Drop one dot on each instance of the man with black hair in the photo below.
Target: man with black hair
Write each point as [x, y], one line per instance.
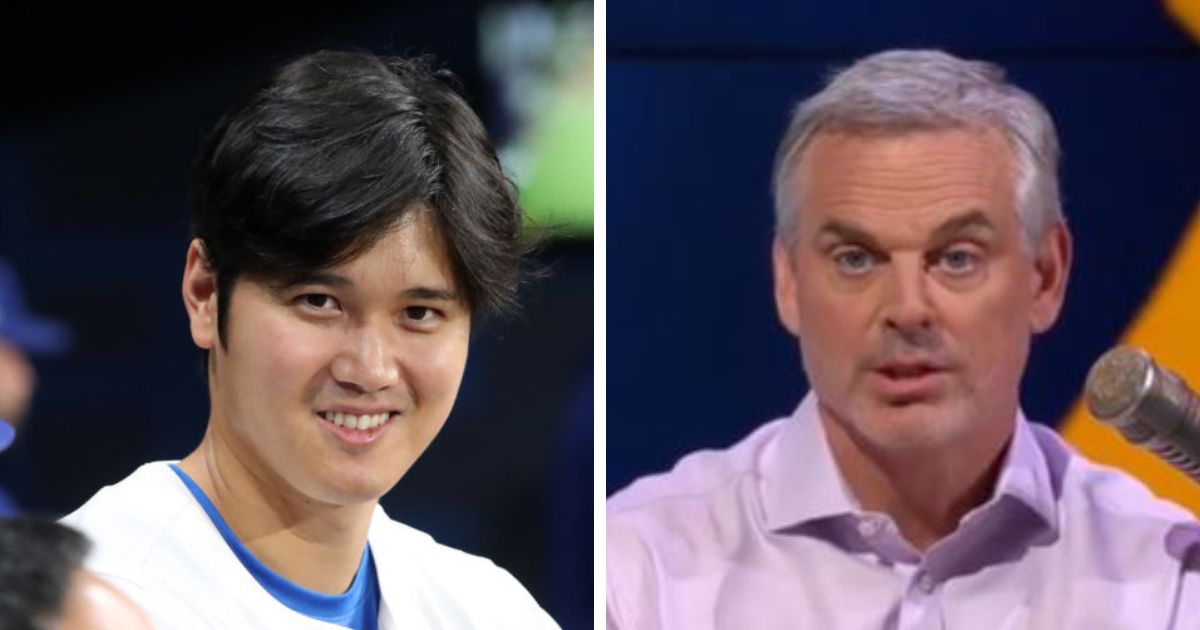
[351, 223]
[43, 583]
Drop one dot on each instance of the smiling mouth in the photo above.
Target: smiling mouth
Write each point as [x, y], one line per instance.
[364, 422]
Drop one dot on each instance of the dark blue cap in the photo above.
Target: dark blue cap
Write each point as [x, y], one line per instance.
[31, 333]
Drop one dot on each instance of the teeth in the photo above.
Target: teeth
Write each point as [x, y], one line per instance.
[359, 423]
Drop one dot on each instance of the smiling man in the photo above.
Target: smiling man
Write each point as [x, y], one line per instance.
[920, 244]
[351, 222]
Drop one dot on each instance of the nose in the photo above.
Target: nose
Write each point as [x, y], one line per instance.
[368, 363]
[908, 309]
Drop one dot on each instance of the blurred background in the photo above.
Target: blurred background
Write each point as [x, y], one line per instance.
[103, 113]
[699, 94]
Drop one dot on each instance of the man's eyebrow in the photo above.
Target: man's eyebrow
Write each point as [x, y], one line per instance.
[330, 279]
[970, 219]
[319, 278]
[846, 231]
[430, 293]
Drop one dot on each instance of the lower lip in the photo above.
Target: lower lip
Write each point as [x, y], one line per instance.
[356, 437]
[909, 388]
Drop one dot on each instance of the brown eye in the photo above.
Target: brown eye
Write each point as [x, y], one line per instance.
[419, 313]
[320, 301]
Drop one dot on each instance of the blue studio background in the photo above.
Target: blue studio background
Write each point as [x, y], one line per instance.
[699, 94]
[103, 113]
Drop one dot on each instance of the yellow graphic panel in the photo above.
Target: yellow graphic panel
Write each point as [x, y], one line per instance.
[1168, 327]
[1187, 13]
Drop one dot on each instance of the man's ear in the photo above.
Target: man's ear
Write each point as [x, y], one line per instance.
[200, 295]
[786, 288]
[1051, 266]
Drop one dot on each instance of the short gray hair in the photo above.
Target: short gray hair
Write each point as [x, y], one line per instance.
[911, 90]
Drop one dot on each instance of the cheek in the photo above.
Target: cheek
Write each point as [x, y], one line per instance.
[436, 367]
[835, 317]
[282, 359]
[994, 332]
[834, 333]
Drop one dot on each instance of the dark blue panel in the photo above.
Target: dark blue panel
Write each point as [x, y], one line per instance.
[783, 28]
[696, 357]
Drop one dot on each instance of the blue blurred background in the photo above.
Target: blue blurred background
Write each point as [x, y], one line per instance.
[103, 112]
[699, 94]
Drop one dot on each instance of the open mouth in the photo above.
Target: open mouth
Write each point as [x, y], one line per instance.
[907, 382]
[364, 422]
[897, 371]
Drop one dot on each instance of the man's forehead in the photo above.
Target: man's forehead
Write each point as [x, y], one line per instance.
[884, 145]
[940, 172]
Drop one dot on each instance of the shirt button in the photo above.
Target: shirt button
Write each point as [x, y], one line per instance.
[868, 527]
[925, 583]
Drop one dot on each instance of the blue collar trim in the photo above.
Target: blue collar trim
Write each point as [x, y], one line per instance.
[356, 608]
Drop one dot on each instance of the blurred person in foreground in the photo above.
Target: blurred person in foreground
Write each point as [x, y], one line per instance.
[22, 335]
[920, 245]
[44, 586]
[352, 224]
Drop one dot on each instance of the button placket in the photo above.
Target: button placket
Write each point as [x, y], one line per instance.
[925, 583]
[869, 527]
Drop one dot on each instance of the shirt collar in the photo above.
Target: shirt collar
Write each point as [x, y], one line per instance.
[1025, 475]
[801, 481]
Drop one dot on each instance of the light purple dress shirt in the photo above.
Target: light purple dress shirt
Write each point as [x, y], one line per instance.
[766, 535]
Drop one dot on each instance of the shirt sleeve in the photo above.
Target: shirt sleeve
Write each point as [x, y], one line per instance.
[524, 609]
[610, 623]
[631, 592]
[163, 615]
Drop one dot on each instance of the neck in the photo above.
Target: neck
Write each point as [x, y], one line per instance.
[314, 545]
[925, 491]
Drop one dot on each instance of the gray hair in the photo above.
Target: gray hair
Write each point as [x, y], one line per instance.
[910, 90]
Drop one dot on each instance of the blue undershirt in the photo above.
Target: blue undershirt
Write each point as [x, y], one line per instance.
[357, 608]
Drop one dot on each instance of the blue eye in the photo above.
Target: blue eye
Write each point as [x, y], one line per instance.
[959, 262]
[854, 261]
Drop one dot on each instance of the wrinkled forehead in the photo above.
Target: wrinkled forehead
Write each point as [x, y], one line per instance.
[867, 173]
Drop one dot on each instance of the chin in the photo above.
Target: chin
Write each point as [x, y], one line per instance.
[351, 496]
[350, 490]
[915, 426]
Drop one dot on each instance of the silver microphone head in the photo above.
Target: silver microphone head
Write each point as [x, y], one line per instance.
[1150, 406]
[1117, 383]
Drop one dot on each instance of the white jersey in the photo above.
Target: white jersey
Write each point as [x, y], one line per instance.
[156, 543]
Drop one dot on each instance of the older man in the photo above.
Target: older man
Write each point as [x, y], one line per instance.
[920, 244]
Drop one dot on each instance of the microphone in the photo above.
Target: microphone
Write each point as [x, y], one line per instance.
[1151, 406]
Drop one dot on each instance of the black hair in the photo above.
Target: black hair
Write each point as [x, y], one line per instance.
[37, 559]
[330, 153]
